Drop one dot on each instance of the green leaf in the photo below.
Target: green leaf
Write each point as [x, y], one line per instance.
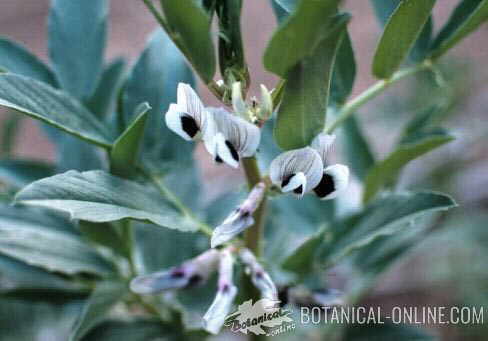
[301, 115]
[384, 9]
[102, 299]
[400, 33]
[154, 78]
[104, 99]
[356, 148]
[17, 59]
[386, 332]
[344, 72]
[299, 36]
[99, 197]
[36, 320]
[387, 170]
[384, 216]
[191, 25]
[466, 18]
[301, 259]
[123, 155]
[17, 277]
[75, 154]
[52, 106]
[18, 173]
[77, 36]
[104, 234]
[35, 241]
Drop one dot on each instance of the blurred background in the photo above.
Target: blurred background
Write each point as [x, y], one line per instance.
[449, 266]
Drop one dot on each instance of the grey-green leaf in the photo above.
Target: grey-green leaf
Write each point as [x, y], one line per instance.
[190, 26]
[100, 197]
[344, 72]
[302, 113]
[105, 295]
[19, 277]
[299, 36]
[466, 18]
[123, 155]
[387, 169]
[77, 36]
[52, 106]
[356, 148]
[400, 33]
[34, 240]
[16, 59]
[104, 99]
[382, 217]
[301, 260]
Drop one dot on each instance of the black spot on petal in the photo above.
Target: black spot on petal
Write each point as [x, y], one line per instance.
[233, 151]
[325, 187]
[298, 190]
[177, 273]
[189, 125]
[218, 159]
[194, 280]
[286, 180]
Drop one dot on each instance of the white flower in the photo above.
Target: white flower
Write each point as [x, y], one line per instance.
[227, 137]
[298, 170]
[188, 117]
[335, 178]
[240, 219]
[230, 137]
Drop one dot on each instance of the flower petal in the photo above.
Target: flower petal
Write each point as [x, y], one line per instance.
[238, 103]
[260, 278]
[214, 318]
[334, 181]
[239, 219]
[189, 101]
[192, 272]
[181, 123]
[322, 143]
[239, 137]
[284, 170]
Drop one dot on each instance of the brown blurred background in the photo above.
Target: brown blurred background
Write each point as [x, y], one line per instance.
[25, 21]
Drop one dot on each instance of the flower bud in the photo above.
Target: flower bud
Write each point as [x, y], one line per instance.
[238, 103]
[240, 219]
[192, 272]
[214, 318]
[260, 278]
[266, 104]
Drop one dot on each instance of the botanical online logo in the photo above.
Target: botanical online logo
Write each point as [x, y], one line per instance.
[264, 313]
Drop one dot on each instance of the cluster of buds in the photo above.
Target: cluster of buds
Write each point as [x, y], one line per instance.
[198, 270]
[256, 113]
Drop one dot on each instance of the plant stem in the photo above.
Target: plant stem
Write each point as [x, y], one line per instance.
[166, 192]
[252, 236]
[128, 236]
[377, 88]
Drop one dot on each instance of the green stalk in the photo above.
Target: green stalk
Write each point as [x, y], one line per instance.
[253, 234]
[377, 88]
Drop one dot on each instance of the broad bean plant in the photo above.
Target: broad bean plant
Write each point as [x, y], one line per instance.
[119, 239]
